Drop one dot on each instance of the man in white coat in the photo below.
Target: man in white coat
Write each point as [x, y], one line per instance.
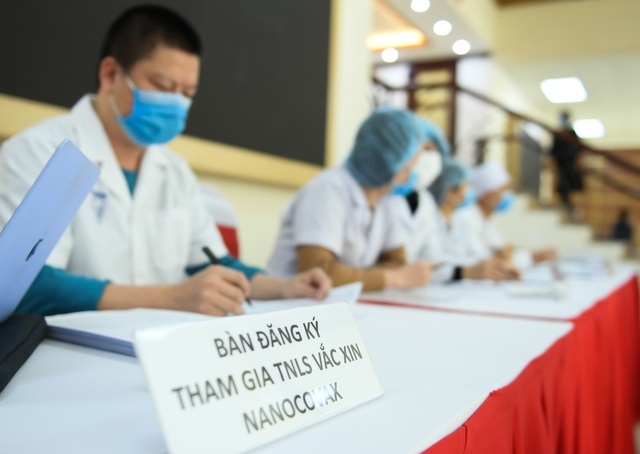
[138, 239]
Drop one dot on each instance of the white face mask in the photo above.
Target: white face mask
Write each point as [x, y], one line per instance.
[428, 167]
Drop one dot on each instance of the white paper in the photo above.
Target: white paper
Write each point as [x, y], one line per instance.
[535, 297]
[113, 330]
[348, 293]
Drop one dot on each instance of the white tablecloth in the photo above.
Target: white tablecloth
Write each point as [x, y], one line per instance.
[436, 369]
[484, 297]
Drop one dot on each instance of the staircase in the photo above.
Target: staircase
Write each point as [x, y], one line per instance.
[529, 227]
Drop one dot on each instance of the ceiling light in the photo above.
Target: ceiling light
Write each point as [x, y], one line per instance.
[402, 38]
[589, 128]
[461, 47]
[420, 6]
[442, 28]
[390, 55]
[566, 89]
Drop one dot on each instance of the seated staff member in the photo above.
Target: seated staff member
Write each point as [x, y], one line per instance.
[342, 221]
[137, 240]
[416, 210]
[452, 194]
[435, 153]
[491, 185]
[425, 228]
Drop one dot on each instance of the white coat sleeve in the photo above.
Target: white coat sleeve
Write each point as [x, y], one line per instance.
[396, 235]
[319, 218]
[471, 227]
[431, 248]
[494, 237]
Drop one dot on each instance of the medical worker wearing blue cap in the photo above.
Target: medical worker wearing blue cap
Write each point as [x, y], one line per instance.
[343, 222]
[453, 195]
[416, 210]
[426, 215]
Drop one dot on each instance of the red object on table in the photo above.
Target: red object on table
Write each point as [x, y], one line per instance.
[581, 396]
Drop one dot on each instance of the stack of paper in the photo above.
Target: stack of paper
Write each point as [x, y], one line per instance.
[584, 266]
[113, 330]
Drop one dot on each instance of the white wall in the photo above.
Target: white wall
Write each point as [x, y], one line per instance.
[349, 75]
[480, 15]
[486, 76]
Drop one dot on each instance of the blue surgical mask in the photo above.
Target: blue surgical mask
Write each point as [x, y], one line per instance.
[156, 117]
[406, 188]
[469, 199]
[505, 202]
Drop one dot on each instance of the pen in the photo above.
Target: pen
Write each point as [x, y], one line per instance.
[215, 261]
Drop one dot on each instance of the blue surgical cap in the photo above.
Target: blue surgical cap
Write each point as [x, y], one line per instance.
[385, 143]
[433, 133]
[453, 175]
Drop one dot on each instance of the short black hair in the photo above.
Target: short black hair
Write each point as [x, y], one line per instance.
[137, 32]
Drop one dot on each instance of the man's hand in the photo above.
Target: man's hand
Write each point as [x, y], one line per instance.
[314, 283]
[492, 269]
[409, 276]
[544, 255]
[216, 290]
[506, 253]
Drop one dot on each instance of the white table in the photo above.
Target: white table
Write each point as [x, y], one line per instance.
[436, 369]
[489, 298]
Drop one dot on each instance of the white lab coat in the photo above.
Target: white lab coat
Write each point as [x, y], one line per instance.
[423, 237]
[331, 212]
[481, 238]
[454, 240]
[422, 241]
[148, 238]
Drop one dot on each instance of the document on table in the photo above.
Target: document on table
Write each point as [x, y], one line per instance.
[424, 296]
[585, 266]
[348, 293]
[113, 330]
[533, 297]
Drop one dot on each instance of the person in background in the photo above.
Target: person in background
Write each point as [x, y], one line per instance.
[138, 239]
[415, 208]
[565, 151]
[491, 184]
[342, 221]
[426, 214]
[452, 193]
[622, 230]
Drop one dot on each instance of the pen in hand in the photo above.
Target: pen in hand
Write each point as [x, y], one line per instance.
[215, 261]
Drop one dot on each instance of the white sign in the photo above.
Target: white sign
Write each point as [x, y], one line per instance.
[235, 383]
